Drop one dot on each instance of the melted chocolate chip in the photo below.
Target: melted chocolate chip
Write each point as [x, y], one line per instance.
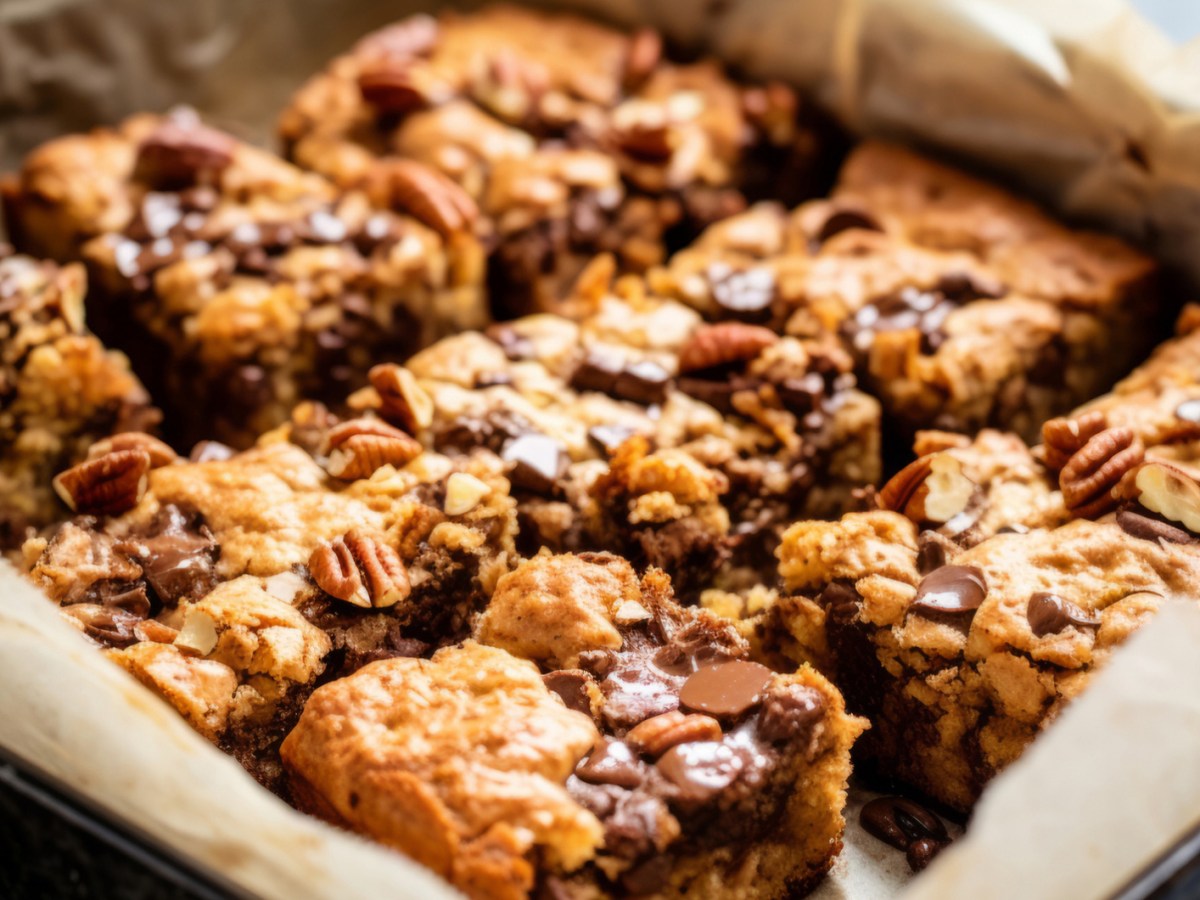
[746, 294]
[802, 396]
[1051, 614]
[950, 591]
[717, 391]
[931, 552]
[789, 713]
[607, 438]
[1189, 411]
[536, 462]
[612, 763]
[1151, 528]
[899, 822]
[727, 689]
[571, 685]
[178, 566]
[963, 287]
[700, 770]
[920, 853]
[908, 308]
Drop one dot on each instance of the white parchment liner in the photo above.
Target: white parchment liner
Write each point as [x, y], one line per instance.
[1082, 103]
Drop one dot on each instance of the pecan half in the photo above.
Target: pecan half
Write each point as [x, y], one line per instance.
[388, 86]
[932, 489]
[179, 153]
[426, 193]
[1063, 438]
[160, 454]
[360, 570]
[357, 448]
[900, 487]
[106, 486]
[1089, 476]
[402, 401]
[723, 343]
[657, 735]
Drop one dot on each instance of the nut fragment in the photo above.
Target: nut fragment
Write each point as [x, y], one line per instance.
[425, 193]
[645, 51]
[199, 633]
[900, 488]
[1063, 438]
[722, 344]
[160, 454]
[1171, 492]
[404, 402]
[1088, 478]
[181, 152]
[463, 493]
[106, 486]
[930, 489]
[657, 735]
[388, 86]
[361, 570]
[360, 446]
[631, 612]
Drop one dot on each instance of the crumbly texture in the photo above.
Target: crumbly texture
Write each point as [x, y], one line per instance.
[60, 390]
[572, 138]
[964, 306]
[459, 761]
[614, 438]
[955, 694]
[495, 751]
[237, 283]
[208, 587]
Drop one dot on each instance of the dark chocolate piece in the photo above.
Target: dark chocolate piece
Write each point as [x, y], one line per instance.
[571, 685]
[1148, 528]
[536, 462]
[727, 689]
[612, 763]
[789, 714]
[1051, 614]
[950, 591]
[700, 770]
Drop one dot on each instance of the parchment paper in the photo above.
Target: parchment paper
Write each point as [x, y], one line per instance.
[1081, 102]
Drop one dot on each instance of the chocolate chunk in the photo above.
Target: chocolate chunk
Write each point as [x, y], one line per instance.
[921, 852]
[1149, 528]
[789, 713]
[634, 691]
[632, 828]
[108, 625]
[840, 601]
[642, 382]
[746, 294]
[571, 685]
[802, 396]
[931, 553]
[597, 372]
[908, 308]
[178, 566]
[182, 152]
[515, 346]
[1188, 411]
[598, 662]
[899, 822]
[963, 287]
[612, 763]
[607, 438]
[536, 462]
[211, 451]
[1050, 614]
[845, 217]
[718, 391]
[726, 690]
[700, 770]
[950, 591]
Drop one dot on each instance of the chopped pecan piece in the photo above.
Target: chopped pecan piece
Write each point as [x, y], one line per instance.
[657, 735]
[160, 454]
[403, 401]
[425, 193]
[359, 447]
[106, 486]
[361, 570]
[1089, 476]
[724, 343]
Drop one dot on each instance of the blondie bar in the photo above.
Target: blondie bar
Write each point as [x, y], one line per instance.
[595, 739]
[963, 305]
[570, 137]
[238, 284]
[60, 389]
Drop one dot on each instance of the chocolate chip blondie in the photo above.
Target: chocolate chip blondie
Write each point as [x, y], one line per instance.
[232, 584]
[571, 138]
[640, 429]
[959, 657]
[60, 389]
[594, 739]
[238, 284]
[964, 306]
